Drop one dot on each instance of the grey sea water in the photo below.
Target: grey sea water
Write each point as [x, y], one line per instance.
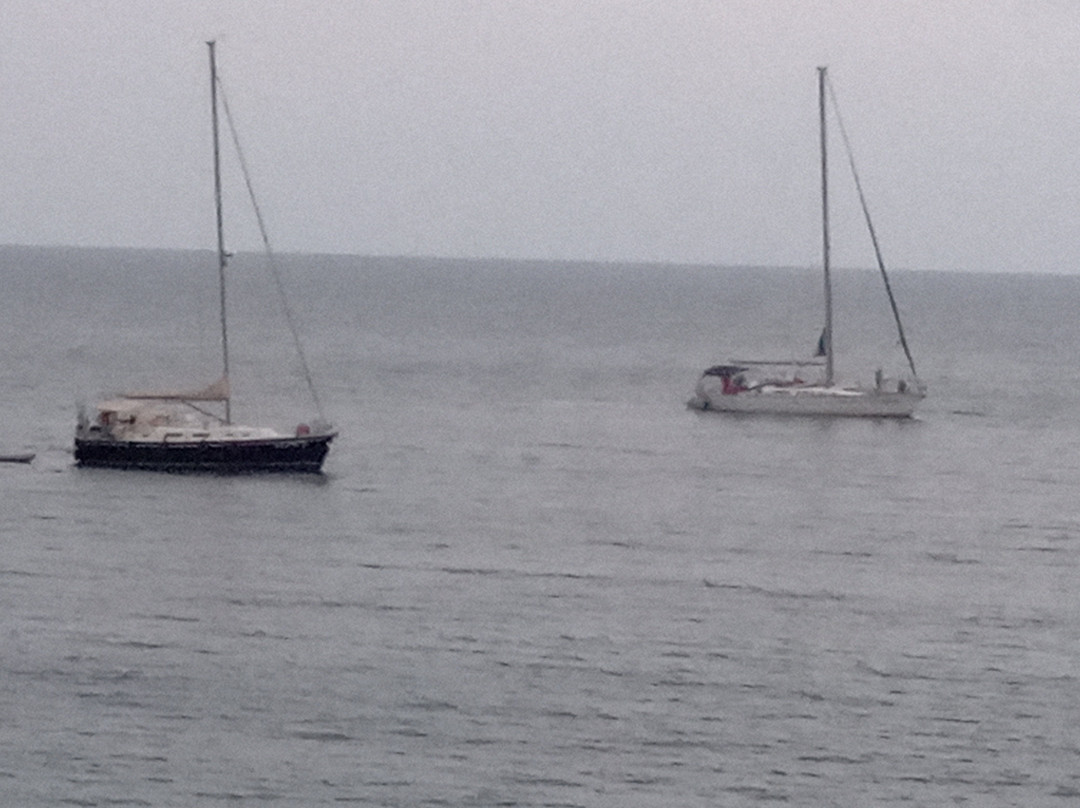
[530, 576]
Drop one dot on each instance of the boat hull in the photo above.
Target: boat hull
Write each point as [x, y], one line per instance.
[285, 454]
[806, 400]
[19, 457]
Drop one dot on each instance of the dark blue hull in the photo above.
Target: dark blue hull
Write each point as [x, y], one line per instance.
[299, 454]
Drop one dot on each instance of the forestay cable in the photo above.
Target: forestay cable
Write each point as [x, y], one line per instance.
[870, 227]
[274, 271]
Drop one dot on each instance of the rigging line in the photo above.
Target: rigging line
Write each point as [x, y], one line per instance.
[870, 227]
[274, 271]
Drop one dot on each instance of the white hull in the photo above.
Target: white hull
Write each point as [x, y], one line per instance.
[777, 388]
[806, 400]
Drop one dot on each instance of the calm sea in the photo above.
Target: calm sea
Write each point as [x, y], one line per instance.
[530, 576]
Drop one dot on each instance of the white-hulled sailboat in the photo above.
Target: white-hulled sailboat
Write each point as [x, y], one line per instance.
[778, 387]
[176, 430]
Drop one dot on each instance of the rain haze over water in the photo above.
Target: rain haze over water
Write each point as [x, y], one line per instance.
[530, 575]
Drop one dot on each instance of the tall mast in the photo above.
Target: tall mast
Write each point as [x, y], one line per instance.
[222, 255]
[827, 336]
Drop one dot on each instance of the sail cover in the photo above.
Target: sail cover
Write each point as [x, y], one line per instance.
[218, 391]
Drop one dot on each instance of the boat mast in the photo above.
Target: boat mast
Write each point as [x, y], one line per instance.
[827, 335]
[222, 255]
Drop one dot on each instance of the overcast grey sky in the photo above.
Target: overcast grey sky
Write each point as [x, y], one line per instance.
[668, 130]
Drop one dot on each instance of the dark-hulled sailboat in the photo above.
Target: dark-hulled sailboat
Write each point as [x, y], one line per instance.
[177, 430]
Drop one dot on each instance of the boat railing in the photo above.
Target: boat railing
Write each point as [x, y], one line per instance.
[780, 362]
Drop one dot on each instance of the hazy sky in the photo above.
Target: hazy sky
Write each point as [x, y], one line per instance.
[664, 130]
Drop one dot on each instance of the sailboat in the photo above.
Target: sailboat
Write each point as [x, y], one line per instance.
[779, 387]
[192, 430]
